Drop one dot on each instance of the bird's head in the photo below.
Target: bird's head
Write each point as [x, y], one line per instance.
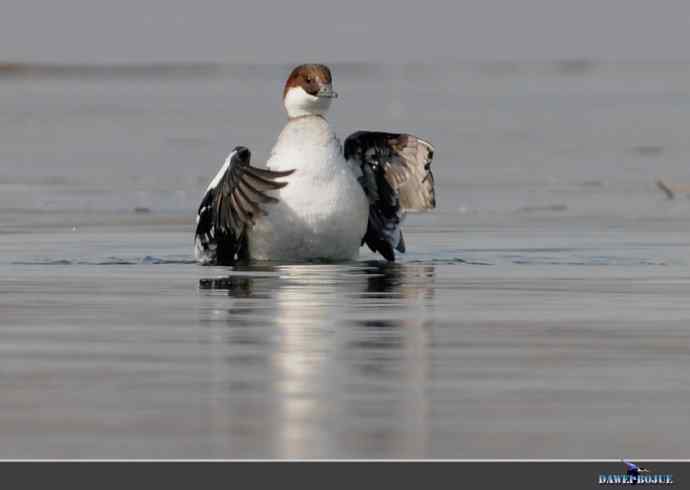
[308, 91]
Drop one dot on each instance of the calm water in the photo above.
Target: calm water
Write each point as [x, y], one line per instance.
[543, 311]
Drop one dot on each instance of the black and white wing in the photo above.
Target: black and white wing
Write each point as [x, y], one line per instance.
[396, 177]
[230, 207]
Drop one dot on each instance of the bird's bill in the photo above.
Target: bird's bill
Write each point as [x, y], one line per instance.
[327, 92]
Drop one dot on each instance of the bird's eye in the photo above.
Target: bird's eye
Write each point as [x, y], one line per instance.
[309, 80]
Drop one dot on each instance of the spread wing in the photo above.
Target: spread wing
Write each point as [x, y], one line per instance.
[396, 177]
[230, 207]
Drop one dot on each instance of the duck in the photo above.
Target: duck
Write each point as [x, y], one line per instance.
[315, 199]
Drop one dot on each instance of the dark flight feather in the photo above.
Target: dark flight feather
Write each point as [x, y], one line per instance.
[397, 178]
[230, 208]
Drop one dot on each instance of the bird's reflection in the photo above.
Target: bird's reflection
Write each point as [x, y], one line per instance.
[405, 280]
[342, 358]
[385, 278]
[237, 286]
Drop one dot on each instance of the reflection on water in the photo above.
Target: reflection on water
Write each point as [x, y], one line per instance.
[340, 363]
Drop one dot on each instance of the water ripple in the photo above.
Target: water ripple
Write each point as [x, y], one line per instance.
[146, 260]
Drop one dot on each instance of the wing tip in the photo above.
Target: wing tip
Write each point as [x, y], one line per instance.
[241, 154]
[269, 176]
[426, 143]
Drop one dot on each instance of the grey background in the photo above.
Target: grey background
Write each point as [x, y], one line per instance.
[355, 30]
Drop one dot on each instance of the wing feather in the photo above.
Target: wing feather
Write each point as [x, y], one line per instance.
[255, 194]
[397, 178]
[269, 175]
[230, 207]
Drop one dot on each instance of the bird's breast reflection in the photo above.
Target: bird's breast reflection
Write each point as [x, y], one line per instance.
[338, 347]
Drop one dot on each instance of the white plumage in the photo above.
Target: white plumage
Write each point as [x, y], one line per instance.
[322, 213]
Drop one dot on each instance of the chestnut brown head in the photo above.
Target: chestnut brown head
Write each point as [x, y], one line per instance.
[308, 91]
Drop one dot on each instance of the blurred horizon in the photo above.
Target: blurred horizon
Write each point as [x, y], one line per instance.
[182, 70]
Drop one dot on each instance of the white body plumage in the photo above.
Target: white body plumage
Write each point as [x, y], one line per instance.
[323, 212]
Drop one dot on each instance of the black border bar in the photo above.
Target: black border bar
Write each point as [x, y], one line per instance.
[328, 474]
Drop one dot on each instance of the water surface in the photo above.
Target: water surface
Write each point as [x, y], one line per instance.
[542, 311]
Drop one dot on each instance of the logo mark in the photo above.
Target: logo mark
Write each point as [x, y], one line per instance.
[635, 475]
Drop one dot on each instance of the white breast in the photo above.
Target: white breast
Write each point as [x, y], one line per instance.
[323, 211]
